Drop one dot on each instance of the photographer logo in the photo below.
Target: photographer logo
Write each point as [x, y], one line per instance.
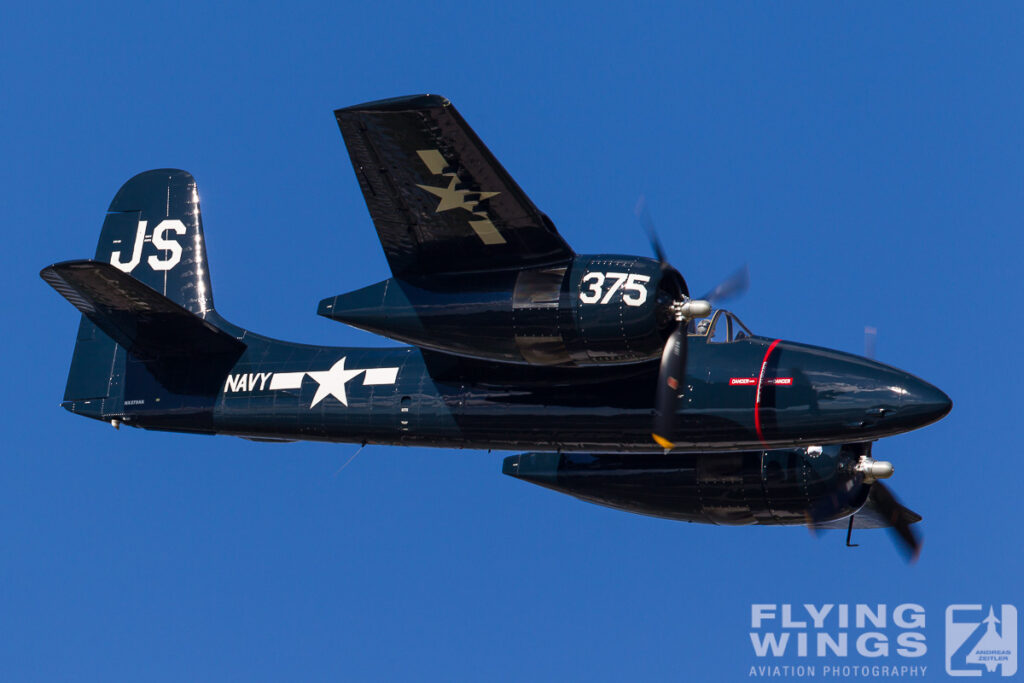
[981, 640]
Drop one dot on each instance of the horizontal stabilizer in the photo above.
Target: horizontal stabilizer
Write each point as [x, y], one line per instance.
[146, 323]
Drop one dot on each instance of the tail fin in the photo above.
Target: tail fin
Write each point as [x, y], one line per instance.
[153, 235]
[154, 232]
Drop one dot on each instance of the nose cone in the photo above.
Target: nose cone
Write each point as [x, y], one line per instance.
[828, 394]
[921, 403]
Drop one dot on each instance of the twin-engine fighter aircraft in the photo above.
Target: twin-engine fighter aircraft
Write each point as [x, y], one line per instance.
[626, 391]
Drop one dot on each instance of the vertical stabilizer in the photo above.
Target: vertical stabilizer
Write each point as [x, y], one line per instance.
[153, 231]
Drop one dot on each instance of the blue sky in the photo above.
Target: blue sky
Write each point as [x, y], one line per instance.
[865, 160]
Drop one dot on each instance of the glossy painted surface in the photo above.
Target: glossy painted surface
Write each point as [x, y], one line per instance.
[520, 344]
[737, 395]
[533, 316]
[484, 223]
[782, 487]
[453, 402]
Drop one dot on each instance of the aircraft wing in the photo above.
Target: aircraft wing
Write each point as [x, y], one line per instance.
[440, 200]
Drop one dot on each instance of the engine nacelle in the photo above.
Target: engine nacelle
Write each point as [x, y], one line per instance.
[590, 311]
[789, 486]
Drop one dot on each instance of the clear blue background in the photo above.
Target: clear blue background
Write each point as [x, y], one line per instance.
[864, 159]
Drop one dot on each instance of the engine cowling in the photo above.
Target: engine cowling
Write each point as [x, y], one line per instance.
[778, 487]
[593, 310]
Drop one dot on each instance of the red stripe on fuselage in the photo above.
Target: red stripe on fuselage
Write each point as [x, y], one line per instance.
[757, 398]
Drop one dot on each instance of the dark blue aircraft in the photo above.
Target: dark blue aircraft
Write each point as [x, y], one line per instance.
[626, 391]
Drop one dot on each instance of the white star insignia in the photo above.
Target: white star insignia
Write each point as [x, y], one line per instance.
[332, 382]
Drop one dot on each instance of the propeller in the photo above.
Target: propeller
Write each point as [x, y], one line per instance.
[878, 506]
[647, 222]
[730, 288]
[870, 341]
[672, 372]
[899, 516]
[885, 507]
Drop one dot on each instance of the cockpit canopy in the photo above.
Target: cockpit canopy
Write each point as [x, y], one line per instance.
[721, 327]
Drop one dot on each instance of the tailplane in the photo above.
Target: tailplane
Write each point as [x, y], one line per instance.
[148, 325]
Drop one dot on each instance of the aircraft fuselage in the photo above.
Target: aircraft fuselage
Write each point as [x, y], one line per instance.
[753, 392]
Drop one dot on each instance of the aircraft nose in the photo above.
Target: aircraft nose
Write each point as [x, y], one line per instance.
[922, 403]
[829, 392]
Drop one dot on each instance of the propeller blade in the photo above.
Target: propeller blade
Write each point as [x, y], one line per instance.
[652, 234]
[733, 286]
[870, 341]
[899, 516]
[671, 376]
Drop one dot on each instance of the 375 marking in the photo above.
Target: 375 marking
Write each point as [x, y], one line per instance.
[633, 286]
